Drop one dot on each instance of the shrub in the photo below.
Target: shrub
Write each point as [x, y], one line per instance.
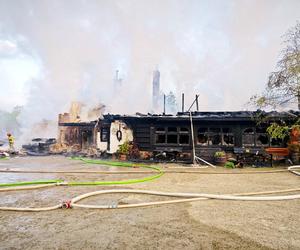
[229, 164]
[124, 148]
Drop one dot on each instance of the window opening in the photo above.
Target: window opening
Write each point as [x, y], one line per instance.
[248, 137]
[184, 139]
[172, 138]
[160, 138]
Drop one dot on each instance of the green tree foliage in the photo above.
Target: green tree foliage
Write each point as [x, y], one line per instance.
[283, 86]
[282, 131]
[277, 131]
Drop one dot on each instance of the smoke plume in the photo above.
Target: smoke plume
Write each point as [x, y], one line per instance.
[221, 50]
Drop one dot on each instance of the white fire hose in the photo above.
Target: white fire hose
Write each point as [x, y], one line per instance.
[186, 197]
[291, 169]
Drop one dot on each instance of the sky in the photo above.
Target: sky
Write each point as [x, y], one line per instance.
[59, 51]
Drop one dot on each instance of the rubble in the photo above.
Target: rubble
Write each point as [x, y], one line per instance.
[58, 148]
[39, 146]
[91, 152]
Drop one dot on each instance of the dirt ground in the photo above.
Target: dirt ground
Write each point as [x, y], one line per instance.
[208, 224]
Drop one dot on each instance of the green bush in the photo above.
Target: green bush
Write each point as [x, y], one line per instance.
[229, 164]
[124, 148]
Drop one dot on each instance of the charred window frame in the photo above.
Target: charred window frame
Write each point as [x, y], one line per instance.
[184, 135]
[248, 138]
[202, 136]
[262, 137]
[215, 136]
[255, 137]
[227, 137]
[172, 135]
[160, 135]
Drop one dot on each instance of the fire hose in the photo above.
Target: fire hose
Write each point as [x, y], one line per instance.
[188, 197]
[158, 173]
[292, 170]
[185, 197]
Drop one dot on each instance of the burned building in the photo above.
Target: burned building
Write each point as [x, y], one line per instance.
[177, 136]
[232, 132]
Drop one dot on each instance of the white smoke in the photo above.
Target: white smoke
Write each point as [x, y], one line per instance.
[222, 50]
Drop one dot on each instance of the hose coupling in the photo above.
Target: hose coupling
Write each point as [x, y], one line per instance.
[66, 204]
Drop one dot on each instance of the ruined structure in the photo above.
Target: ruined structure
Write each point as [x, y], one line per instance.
[171, 136]
[232, 132]
[75, 133]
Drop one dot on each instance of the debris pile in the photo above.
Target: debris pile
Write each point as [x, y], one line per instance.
[58, 148]
[39, 146]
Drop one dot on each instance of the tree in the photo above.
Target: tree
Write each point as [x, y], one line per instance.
[283, 86]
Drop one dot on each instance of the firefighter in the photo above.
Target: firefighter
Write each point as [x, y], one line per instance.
[11, 141]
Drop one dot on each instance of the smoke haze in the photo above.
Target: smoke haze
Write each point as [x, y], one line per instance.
[56, 52]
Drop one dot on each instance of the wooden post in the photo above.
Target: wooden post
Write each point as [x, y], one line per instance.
[164, 104]
[193, 141]
[197, 104]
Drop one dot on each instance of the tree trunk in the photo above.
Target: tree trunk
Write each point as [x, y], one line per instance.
[298, 97]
